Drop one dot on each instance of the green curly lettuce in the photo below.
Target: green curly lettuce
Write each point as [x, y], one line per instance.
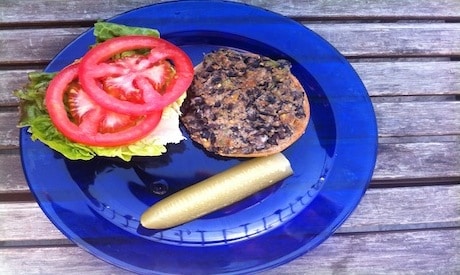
[106, 30]
[33, 114]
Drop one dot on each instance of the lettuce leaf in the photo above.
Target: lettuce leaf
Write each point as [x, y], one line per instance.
[32, 97]
[34, 115]
[106, 30]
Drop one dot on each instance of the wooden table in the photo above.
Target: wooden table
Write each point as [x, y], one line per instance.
[408, 56]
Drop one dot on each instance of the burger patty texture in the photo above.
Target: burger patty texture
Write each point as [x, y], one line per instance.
[244, 105]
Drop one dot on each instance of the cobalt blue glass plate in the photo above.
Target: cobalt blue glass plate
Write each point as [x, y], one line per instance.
[97, 203]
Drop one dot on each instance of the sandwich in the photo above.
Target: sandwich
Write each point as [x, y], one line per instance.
[121, 99]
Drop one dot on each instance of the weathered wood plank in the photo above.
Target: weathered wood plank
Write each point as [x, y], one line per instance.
[12, 178]
[411, 39]
[417, 252]
[380, 79]
[418, 118]
[397, 163]
[422, 162]
[423, 207]
[409, 78]
[9, 132]
[25, 224]
[53, 260]
[32, 46]
[25, 11]
[394, 119]
[11, 80]
[412, 229]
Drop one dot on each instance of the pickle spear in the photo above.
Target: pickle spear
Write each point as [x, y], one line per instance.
[216, 192]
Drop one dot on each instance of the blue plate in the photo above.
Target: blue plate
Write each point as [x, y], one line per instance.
[97, 203]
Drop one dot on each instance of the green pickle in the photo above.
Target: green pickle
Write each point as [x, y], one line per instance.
[212, 194]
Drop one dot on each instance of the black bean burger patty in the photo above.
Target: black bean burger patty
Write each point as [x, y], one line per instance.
[244, 105]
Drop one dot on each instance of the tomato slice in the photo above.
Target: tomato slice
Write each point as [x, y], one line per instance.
[91, 124]
[122, 86]
[80, 104]
[157, 79]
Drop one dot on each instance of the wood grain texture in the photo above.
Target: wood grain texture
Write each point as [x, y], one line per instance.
[397, 163]
[427, 207]
[25, 11]
[418, 118]
[393, 119]
[53, 260]
[32, 46]
[11, 80]
[407, 55]
[413, 252]
[392, 39]
[9, 132]
[423, 162]
[18, 218]
[353, 40]
[380, 78]
[12, 178]
[409, 78]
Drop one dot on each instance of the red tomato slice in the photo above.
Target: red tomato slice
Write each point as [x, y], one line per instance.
[92, 121]
[122, 86]
[157, 79]
[81, 104]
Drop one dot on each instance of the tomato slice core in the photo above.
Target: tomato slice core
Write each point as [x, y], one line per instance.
[157, 84]
[88, 131]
